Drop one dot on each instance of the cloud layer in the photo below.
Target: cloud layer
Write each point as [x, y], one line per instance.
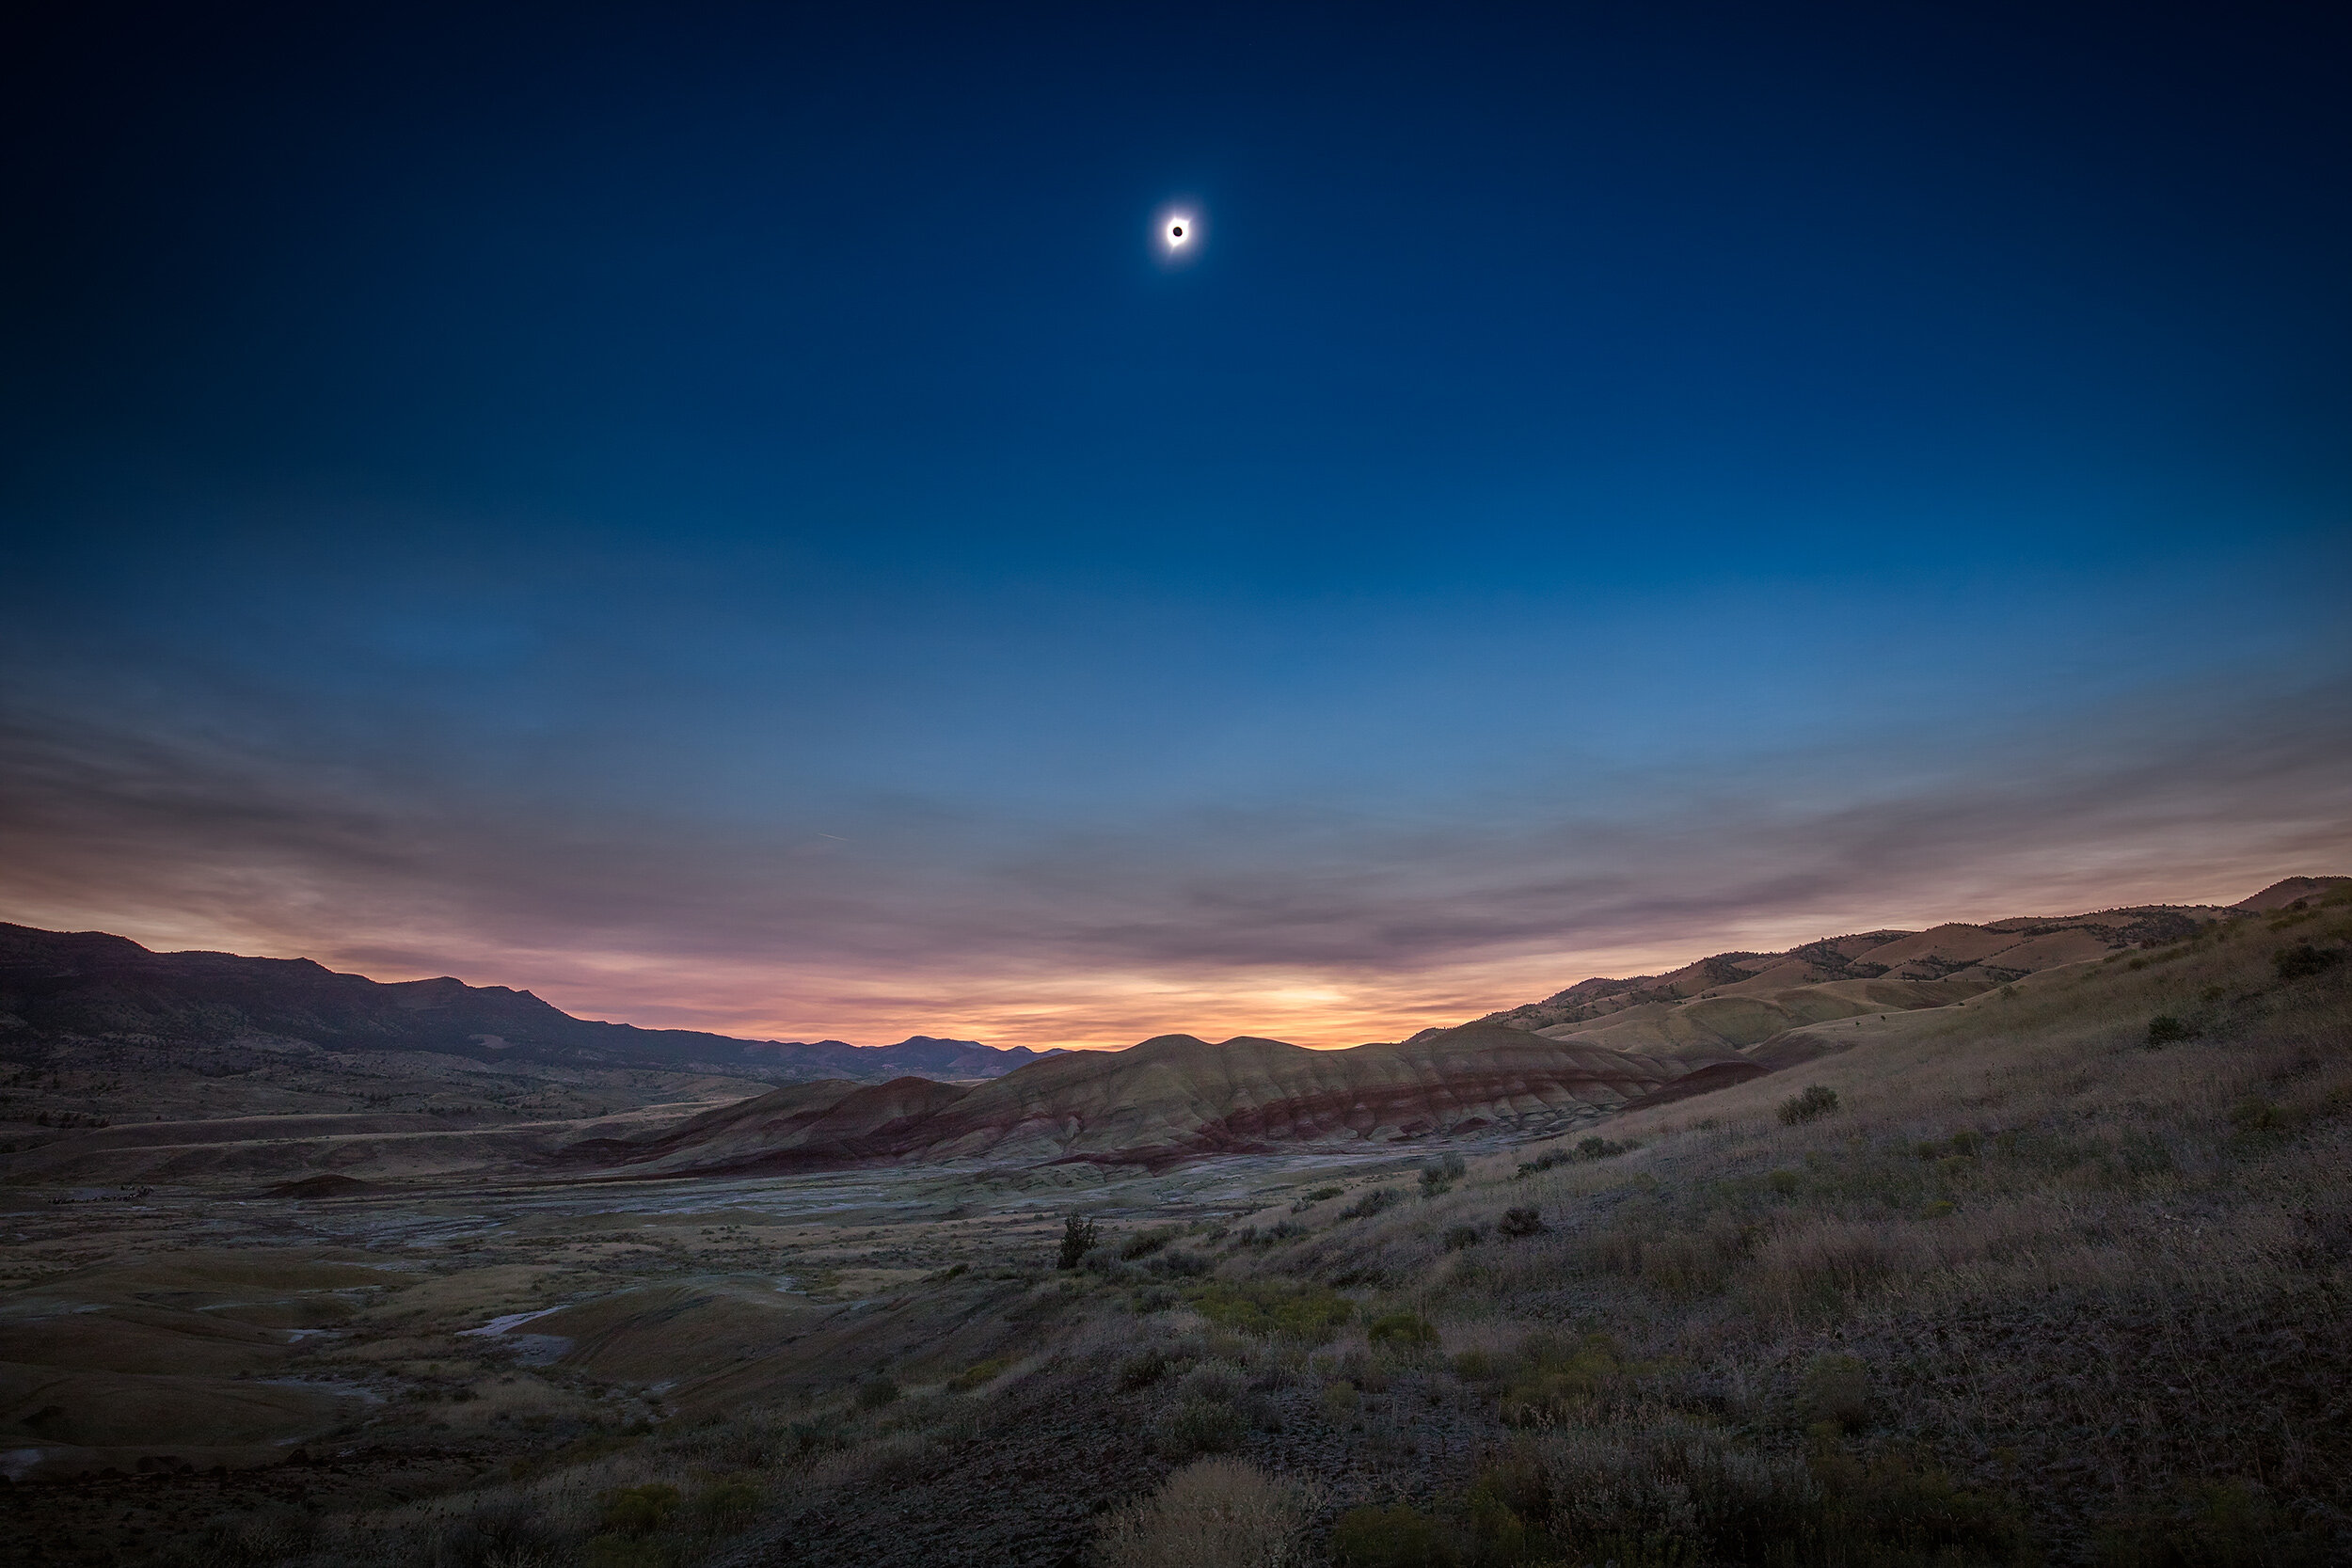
[1326, 926]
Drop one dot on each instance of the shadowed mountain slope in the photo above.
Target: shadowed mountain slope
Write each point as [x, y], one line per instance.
[2293, 893]
[90, 984]
[1176, 1098]
[1744, 999]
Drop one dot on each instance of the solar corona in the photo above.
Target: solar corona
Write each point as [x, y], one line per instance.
[1180, 230]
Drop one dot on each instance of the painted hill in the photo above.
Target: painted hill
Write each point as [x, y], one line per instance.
[92, 985]
[1177, 1098]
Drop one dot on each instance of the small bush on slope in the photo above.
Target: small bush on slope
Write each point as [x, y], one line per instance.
[1815, 1101]
[1079, 1236]
[1286, 1309]
[1199, 1425]
[1372, 1202]
[1213, 1513]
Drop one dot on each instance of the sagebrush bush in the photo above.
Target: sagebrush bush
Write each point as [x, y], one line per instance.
[1835, 1391]
[1398, 1536]
[636, 1510]
[2223, 1523]
[1213, 1513]
[1146, 1367]
[1277, 1309]
[1143, 1243]
[1199, 1425]
[1813, 1102]
[2302, 961]
[1407, 1329]
[1079, 1236]
[979, 1374]
[1520, 1223]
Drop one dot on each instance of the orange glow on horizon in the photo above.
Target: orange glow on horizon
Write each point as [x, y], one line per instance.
[1088, 1009]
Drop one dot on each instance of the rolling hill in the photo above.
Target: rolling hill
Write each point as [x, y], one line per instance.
[1177, 1098]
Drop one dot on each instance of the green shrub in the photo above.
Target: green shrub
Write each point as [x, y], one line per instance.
[1320, 1194]
[1835, 1390]
[2254, 1114]
[876, 1391]
[1401, 1328]
[2225, 1524]
[1201, 1426]
[1275, 1308]
[621, 1551]
[1176, 1264]
[1144, 1244]
[2303, 960]
[1559, 1381]
[1079, 1236]
[979, 1375]
[1815, 1101]
[1665, 1491]
[1600, 1148]
[1519, 1222]
[1479, 1366]
[1145, 1368]
[1373, 1202]
[2164, 1029]
[1398, 1537]
[728, 1506]
[638, 1509]
[821, 1434]
[1896, 1507]
[1461, 1236]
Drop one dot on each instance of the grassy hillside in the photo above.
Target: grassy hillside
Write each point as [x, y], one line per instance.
[2058, 1273]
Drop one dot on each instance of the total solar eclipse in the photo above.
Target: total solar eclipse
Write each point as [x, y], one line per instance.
[1179, 229]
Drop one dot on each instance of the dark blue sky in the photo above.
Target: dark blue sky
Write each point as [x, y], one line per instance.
[722, 516]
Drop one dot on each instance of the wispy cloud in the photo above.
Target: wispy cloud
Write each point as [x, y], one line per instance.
[1319, 923]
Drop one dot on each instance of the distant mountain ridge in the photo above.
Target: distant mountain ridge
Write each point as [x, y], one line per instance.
[88, 983]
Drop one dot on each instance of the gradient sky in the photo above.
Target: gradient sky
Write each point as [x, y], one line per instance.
[720, 516]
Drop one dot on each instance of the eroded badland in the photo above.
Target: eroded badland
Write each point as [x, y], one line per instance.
[1990, 1243]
